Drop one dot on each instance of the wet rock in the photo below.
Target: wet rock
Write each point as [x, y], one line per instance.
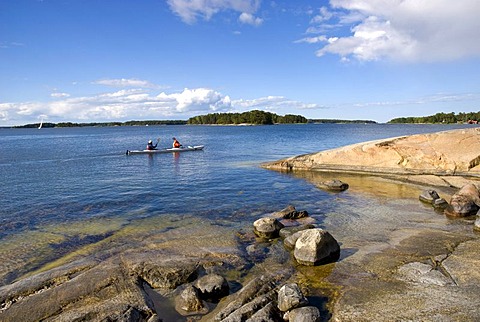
[212, 286]
[465, 202]
[188, 302]
[252, 298]
[290, 297]
[267, 227]
[333, 185]
[303, 314]
[285, 212]
[163, 274]
[288, 231]
[431, 197]
[476, 225]
[291, 240]
[440, 203]
[316, 246]
[269, 313]
[290, 212]
[104, 292]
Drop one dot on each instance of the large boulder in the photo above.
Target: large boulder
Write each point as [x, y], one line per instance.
[466, 202]
[316, 246]
[267, 227]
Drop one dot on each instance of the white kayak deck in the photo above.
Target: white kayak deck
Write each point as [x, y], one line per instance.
[167, 150]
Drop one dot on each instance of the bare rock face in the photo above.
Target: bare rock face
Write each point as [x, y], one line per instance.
[454, 152]
[267, 227]
[466, 202]
[316, 246]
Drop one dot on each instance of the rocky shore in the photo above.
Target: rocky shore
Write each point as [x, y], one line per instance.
[413, 257]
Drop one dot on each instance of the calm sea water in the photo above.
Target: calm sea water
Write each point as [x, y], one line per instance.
[61, 176]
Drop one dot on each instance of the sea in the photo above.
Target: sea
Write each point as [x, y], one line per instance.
[54, 180]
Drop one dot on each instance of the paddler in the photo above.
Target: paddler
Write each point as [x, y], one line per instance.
[151, 146]
[176, 144]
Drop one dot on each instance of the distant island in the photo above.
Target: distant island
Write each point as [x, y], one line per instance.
[255, 117]
[443, 118]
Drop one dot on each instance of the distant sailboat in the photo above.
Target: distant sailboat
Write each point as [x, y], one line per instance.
[41, 124]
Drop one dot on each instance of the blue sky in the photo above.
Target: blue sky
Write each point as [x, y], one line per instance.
[119, 60]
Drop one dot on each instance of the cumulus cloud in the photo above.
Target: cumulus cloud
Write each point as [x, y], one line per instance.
[190, 10]
[250, 19]
[401, 30]
[127, 104]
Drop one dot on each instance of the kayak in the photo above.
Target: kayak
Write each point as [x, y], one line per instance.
[167, 150]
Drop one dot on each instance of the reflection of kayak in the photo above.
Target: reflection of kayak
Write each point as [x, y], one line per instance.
[169, 150]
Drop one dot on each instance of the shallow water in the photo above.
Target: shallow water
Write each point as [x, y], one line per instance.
[66, 192]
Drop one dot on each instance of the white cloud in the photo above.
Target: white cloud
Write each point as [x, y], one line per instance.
[190, 10]
[125, 82]
[59, 95]
[129, 104]
[401, 30]
[273, 103]
[312, 40]
[250, 19]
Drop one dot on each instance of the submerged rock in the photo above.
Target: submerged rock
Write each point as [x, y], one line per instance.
[333, 185]
[290, 212]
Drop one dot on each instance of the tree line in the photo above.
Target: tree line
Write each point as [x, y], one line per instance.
[446, 118]
[251, 117]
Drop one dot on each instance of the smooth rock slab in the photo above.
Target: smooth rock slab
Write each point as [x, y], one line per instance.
[422, 273]
[316, 246]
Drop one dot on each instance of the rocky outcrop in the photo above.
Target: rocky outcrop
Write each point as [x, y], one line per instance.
[454, 152]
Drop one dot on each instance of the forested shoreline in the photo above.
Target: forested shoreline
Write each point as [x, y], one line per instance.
[446, 118]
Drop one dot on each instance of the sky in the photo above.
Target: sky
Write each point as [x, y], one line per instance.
[120, 60]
